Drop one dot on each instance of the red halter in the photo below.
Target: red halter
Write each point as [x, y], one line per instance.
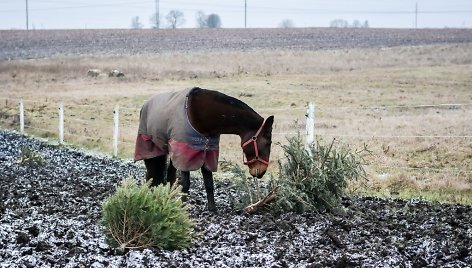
[253, 140]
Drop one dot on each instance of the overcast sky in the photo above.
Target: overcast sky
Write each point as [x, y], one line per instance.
[81, 14]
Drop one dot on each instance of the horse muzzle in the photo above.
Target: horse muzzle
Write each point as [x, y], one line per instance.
[258, 169]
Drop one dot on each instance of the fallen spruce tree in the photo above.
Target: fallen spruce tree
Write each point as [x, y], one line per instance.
[139, 216]
[310, 179]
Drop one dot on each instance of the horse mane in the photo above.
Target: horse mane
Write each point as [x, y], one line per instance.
[225, 99]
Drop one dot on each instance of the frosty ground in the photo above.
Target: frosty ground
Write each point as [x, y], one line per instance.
[50, 218]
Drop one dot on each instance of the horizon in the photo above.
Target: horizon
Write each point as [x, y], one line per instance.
[118, 14]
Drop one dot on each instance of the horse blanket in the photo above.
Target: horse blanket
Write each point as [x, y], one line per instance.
[164, 128]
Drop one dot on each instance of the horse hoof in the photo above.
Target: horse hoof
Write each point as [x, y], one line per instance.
[212, 209]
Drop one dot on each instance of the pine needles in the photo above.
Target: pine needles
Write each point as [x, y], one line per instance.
[137, 217]
[310, 179]
[315, 179]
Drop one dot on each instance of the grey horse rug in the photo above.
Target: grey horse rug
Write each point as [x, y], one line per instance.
[164, 128]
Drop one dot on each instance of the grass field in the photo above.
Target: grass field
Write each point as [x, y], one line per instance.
[372, 96]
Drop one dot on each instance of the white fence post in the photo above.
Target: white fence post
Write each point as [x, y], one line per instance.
[22, 117]
[310, 125]
[115, 131]
[61, 123]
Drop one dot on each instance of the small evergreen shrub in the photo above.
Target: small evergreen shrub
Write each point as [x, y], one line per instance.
[30, 158]
[309, 179]
[137, 217]
[315, 178]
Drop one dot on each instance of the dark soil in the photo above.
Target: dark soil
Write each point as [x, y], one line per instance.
[49, 43]
[50, 214]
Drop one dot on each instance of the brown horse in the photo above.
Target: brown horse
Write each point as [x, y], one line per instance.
[187, 126]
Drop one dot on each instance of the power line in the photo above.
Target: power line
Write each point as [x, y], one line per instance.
[259, 9]
[122, 4]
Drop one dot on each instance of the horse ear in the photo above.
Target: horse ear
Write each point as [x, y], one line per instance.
[270, 121]
[268, 124]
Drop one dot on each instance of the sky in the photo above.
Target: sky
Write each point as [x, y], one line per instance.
[95, 14]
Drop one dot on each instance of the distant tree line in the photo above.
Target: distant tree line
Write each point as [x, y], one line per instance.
[210, 21]
[286, 24]
[340, 23]
[175, 18]
[135, 23]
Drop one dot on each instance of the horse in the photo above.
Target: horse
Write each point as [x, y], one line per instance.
[187, 124]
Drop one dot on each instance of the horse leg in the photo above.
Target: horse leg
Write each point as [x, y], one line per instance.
[155, 169]
[171, 176]
[209, 187]
[185, 183]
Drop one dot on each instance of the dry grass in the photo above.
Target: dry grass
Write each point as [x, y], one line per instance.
[279, 83]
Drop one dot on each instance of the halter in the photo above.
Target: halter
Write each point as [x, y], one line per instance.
[253, 140]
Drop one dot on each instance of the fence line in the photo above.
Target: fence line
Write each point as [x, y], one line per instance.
[335, 107]
[61, 123]
[439, 170]
[89, 122]
[382, 136]
[396, 106]
[127, 142]
[87, 137]
[42, 129]
[134, 109]
[71, 134]
[116, 123]
[108, 107]
[396, 136]
[310, 123]
[22, 117]
[319, 106]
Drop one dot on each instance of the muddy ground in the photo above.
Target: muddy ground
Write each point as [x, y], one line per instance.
[19, 44]
[49, 218]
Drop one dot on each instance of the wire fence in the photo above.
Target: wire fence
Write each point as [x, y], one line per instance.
[113, 128]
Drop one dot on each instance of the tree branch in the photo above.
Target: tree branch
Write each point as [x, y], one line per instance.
[269, 198]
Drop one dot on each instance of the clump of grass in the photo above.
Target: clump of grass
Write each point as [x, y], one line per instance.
[29, 157]
[137, 217]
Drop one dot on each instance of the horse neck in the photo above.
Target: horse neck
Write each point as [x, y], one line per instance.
[216, 113]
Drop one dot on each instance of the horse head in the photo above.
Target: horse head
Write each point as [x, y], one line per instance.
[256, 148]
